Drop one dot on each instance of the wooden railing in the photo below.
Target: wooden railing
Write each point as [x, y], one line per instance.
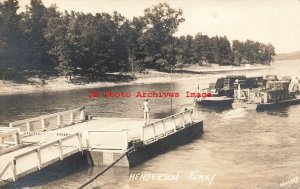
[39, 157]
[51, 121]
[9, 140]
[161, 128]
[106, 140]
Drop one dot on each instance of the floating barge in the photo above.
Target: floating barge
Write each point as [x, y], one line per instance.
[283, 103]
[33, 144]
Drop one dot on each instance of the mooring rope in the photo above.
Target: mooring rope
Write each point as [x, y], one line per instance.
[104, 170]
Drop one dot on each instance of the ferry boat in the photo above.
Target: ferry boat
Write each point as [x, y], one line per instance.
[223, 90]
[275, 93]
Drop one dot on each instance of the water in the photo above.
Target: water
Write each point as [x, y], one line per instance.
[239, 149]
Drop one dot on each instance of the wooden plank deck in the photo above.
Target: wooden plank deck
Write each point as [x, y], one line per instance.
[99, 134]
[31, 143]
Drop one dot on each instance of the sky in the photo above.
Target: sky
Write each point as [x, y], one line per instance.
[268, 21]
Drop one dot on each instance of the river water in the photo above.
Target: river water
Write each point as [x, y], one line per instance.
[239, 149]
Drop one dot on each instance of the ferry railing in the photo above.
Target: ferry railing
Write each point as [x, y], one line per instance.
[9, 140]
[39, 157]
[50, 121]
[106, 140]
[161, 128]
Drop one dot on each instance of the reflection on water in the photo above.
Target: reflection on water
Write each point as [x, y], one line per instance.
[242, 148]
[282, 112]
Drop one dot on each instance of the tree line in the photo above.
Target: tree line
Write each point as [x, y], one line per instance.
[43, 39]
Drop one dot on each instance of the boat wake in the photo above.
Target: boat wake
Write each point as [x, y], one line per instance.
[234, 114]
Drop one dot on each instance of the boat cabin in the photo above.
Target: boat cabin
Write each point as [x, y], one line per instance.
[275, 91]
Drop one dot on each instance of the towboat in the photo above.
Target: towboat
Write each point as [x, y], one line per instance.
[275, 93]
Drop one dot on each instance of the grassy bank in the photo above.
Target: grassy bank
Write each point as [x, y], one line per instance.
[32, 84]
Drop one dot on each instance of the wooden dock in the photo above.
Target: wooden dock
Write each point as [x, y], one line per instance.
[30, 145]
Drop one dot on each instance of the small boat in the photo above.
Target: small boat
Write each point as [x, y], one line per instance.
[222, 91]
[215, 101]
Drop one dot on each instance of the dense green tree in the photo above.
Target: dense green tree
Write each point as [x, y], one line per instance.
[34, 26]
[252, 52]
[162, 22]
[136, 49]
[11, 37]
[203, 49]
[186, 49]
[44, 39]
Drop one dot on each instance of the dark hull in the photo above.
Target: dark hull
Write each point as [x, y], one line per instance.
[262, 107]
[184, 136]
[226, 102]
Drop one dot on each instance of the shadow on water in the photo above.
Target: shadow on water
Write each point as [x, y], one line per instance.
[61, 169]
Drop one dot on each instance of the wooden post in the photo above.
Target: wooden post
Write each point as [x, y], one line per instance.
[28, 126]
[154, 132]
[71, 118]
[190, 112]
[82, 116]
[142, 133]
[164, 125]
[87, 140]
[16, 140]
[14, 169]
[19, 139]
[174, 124]
[38, 152]
[79, 136]
[61, 153]
[183, 123]
[43, 124]
[58, 120]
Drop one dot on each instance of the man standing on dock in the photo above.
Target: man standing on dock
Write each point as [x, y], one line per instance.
[146, 109]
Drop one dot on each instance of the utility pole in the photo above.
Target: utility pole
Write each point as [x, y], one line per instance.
[171, 89]
[131, 60]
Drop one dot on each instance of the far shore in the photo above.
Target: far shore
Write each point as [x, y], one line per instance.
[60, 83]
